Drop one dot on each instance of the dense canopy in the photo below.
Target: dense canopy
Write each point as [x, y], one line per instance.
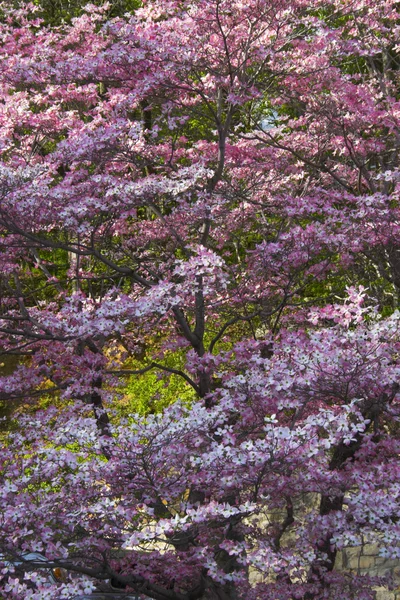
[207, 190]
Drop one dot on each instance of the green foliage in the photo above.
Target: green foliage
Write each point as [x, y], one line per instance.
[152, 391]
[149, 393]
[56, 12]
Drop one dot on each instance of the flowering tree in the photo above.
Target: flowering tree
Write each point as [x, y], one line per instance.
[220, 178]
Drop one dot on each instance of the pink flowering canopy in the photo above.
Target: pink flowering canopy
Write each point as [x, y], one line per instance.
[217, 181]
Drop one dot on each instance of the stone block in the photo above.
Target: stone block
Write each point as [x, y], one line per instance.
[339, 560]
[386, 563]
[370, 550]
[366, 562]
[384, 594]
[351, 552]
[349, 556]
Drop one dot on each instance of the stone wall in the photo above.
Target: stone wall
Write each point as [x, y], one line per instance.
[365, 560]
[361, 560]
